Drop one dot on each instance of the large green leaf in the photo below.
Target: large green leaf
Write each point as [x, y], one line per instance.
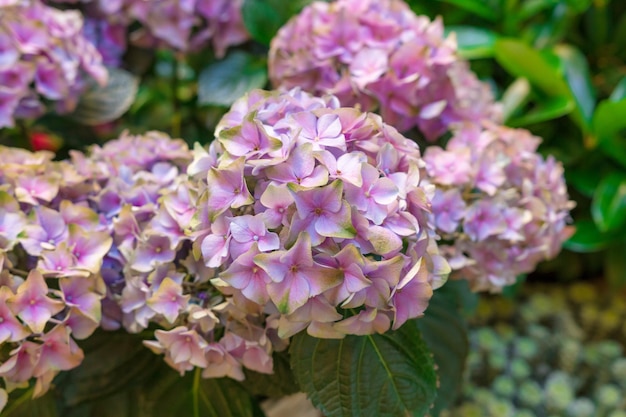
[521, 60]
[263, 18]
[477, 7]
[445, 332]
[549, 109]
[223, 82]
[103, 104]
[474, 42]
[25, 406]
[278, 384]
[588, 238]
[193, 396]
[383, 375]
[620, 91]
[578, 78]
[609, 125]
[608, 206]
[113, 362]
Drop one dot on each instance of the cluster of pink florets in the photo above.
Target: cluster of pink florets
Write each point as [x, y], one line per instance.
[185, 26]
[317, 212]
[499, 207]
[44, 55]
[381, 56]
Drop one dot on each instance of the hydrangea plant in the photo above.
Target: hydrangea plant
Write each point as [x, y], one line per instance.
[381, 56]
[44, 56]
[499, 207]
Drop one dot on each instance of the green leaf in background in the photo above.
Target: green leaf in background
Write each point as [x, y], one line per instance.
[620, 91]
[474, 42]
[609, 122]
[588, 171]
[530, 8]
[223, 82]
[521, 60]
[383, 375]
[113, 362]
[588, 238]
[445, 333]
[477, 7]
[608, 206]
[100, 105]
[263, 18]
[547, 110]
[280, 383]
[26, 406]
[615, 265]
[193, 396]
[579, 80]
[514, 97]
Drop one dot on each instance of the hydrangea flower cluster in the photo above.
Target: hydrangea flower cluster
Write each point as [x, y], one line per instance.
[43, 55]
[51, 250]
[379, 55]
[316, 213]
[185, 26]
[500, 207]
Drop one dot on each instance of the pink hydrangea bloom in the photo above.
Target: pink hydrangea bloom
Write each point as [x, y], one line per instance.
[315, 214]
[507, 211]
[381, 56]
[43, 54]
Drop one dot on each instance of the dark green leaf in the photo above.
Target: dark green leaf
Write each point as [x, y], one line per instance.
[474, 42]
[445, 333]
[26, 406]
[608, 206]
[262, 20]
[620, 91]
[193, 396]
[609, 124]
[223, 82]
[383, 375]
[280, 383]
[615, 265]
[113, 362]
[548, 110]
[477, 7]
[104, 104]
[521, 60]
[579, 81]
[530, 8]
[587, 173]
[588, 238]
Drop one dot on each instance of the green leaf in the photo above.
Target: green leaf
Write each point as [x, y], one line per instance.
[615, 265]
[26, 406]
[278, 384]
[530, 8]
[113, 362]
[445, 333]
[521, 60]
[579, 80]
[474, 42]
[262, 20]
[477, 7]
[588, 238]
[609, 124]
[223, 82]
[383, 375]
[193, 396]
[549, 109]
[515, 97]
[620, 91]
[100, 105]
[608, 206]
[588, 171]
